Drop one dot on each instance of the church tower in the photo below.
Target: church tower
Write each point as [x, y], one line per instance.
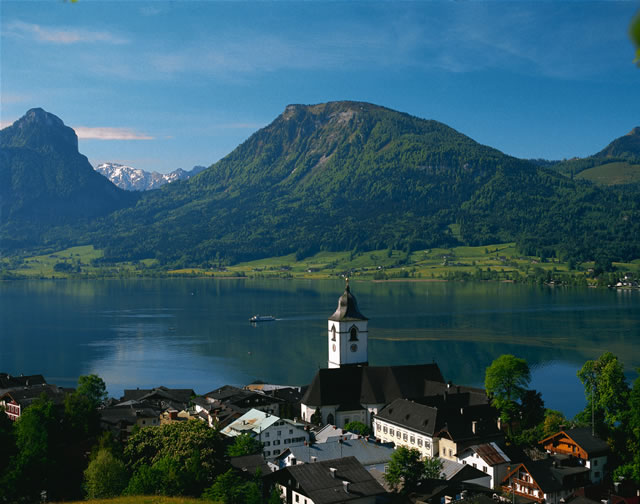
[348, 333]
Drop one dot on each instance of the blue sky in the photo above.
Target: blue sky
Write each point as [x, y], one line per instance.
[161, 85]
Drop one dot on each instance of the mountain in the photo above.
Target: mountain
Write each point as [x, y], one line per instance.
[617, 164]
[135, 179]
[347, 175]
[45, 181]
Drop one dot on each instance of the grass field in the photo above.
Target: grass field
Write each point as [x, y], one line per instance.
[498, 262]
[612, 174]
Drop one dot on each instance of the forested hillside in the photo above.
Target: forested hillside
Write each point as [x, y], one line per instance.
[347, 175]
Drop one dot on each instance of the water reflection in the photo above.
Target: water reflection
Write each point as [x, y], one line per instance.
[195, 333]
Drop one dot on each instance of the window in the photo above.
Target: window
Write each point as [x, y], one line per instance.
[384, 429]
[353, 334]
[475, 465]
[290, 431]
[412, 440]
[333, 333]
[398, 434]
[279, 433]
[484, 468]
[378, 427]
[450, 453]
[419, 441]
[404, 436]
[346, 420]
[297, 498]
[267, 443]
[595, 462]
[266, 434]
[390, 432]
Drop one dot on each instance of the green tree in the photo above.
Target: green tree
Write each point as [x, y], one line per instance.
[506, 381]
[407, 469]
[244, 444]
[358, 428]
[106, 476]
[230, 488]
[532, 409]
[93, 387]
[193, 449]
[607, 392]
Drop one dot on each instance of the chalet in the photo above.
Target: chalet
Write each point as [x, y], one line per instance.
[549, 480]
[275, 433]
[370, 454]
[581, 444]
[16, 400]
[328, 482]
[443, 430]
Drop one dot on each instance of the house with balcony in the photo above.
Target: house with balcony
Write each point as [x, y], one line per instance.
[582, 445]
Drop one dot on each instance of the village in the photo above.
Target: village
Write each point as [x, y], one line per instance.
[339, 438]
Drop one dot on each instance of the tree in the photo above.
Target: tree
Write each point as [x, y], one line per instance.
[106, 476]
[506, 381]
[407, 469]
[532, 409]
[244, 444]
[606, 390]
[230, 488]
[358, 428]
[93, 387]
[634, 34]
[192, 448]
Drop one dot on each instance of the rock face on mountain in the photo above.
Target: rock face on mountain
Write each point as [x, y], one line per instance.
[44, 180]
[627, 146]
[135, 179]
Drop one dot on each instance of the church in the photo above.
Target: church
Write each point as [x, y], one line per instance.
[351, 390]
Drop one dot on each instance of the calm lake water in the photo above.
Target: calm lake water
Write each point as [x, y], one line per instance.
[195, 333]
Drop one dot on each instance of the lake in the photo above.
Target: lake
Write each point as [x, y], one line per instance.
[194, 333]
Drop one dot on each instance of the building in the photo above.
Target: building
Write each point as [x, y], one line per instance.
[369, 453]
[16, 400]
[275, 433]
[489, 458]
[442, 428]
[581, 444]
[329, 482]
[549, 480]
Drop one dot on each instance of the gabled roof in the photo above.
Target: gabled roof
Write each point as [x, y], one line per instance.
[255, 421]
[159, 393]
[584, 439]
[8, 381]
[491, 453]
[367, 452]
[552, 476]
[27, 395]
[454, 471]
[250, 464]
[347, 308]
[331, 432]
[370, 384]
[414, 416]
[348, 481]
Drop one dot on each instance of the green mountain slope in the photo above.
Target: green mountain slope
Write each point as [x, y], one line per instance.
[45, 181]
[616, 164]
[341, 175]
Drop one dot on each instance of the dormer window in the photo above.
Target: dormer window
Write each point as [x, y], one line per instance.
[353, 334]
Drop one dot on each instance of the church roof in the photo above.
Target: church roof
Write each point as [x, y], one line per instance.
[370, 384]
[347, 308]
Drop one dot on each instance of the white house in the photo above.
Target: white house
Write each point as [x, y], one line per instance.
[275, 433]
[490, 459]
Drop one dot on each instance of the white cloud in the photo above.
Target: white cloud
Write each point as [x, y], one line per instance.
[61, 35]
[103, 133]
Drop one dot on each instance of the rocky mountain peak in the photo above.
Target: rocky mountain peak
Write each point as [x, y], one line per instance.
[39, 130]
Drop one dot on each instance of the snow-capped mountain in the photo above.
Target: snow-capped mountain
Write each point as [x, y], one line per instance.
[135, 179]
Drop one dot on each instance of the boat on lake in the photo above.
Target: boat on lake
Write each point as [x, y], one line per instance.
[262, 318]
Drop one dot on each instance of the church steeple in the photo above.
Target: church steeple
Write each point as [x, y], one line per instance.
[348, 333]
